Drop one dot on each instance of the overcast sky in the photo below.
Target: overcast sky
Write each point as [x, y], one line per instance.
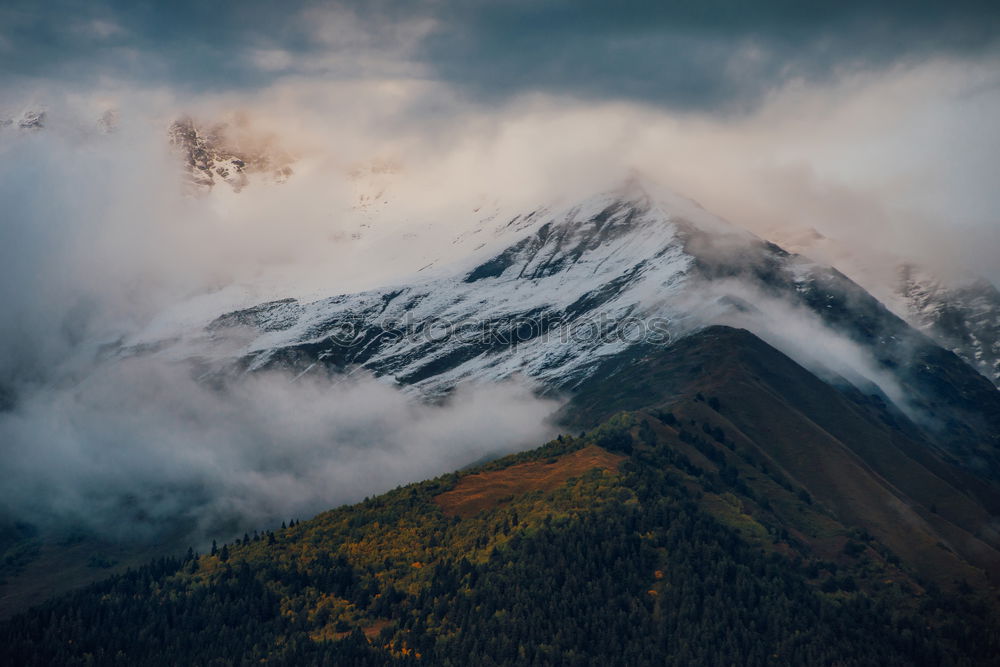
[708, 55]
[870, 120]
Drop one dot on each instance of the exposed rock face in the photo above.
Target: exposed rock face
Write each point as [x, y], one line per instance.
[216, 154]
[32, 119]
[962, 316]
[108, 122]
[958, 310]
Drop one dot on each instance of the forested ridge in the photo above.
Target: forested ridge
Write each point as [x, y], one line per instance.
[648, 540]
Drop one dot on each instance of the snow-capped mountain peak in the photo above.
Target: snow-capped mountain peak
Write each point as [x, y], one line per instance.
[549, 293]
[213, 154]
[560, 290]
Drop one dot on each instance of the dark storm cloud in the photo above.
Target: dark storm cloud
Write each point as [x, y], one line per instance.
[196, 44]
[682, 54]
[694, 54]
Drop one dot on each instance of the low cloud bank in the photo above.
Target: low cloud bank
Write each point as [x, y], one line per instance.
[140, 448]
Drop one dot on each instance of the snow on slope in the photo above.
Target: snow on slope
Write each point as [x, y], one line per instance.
[548, 293]
[555, 291]
[961, 313]
[213, 154]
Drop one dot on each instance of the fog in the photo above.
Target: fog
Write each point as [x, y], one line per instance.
[139, 449]
[798, 332]
[101, 237]
[896, 159]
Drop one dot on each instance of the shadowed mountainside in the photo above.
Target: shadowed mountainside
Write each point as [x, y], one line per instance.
[725, 505]
[852, 452]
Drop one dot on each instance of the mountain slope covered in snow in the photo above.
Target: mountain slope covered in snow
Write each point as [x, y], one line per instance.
[961, 312]
[553, 292]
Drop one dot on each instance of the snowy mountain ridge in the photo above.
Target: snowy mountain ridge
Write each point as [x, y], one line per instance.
[543, 294]
[963, 316]
[959, 312]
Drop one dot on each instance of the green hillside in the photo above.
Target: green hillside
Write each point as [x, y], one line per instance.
[866, 462]
[721, 505]
[634, 543]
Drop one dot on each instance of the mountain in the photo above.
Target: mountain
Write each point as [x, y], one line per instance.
[553, 292]
[226, 153]
[229, 151]
[772, 466]
[959, 311]
[696, 530]
[853, 453]
[30, 119]
[961, 315]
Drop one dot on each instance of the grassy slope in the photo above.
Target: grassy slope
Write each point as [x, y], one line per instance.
[868, 466]
[833, 518]
[430, 569]
[38, 564]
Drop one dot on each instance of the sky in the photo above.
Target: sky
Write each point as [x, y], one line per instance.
[871, 122]
[860, 118]
[709, 55]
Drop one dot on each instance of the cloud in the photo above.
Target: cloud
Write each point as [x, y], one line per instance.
[272, 60]
[714, 55]
[99, 28]
[98, 240]
[895, 159]
[140, 448]
[799, 333]
[708, 55]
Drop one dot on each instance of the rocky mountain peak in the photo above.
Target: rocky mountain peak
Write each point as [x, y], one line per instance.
[216, 153]
[962, 315]
[30, 119]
